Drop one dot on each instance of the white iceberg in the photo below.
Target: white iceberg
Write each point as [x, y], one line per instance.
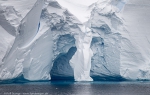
[96, 38]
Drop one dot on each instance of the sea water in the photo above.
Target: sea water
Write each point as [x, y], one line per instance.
[76, 88]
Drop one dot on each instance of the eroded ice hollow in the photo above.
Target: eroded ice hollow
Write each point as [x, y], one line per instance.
[77, 61]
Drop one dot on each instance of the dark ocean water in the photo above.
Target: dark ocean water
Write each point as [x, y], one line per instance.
[76, 88]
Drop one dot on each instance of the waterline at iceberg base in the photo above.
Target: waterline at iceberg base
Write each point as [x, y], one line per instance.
[72, 40]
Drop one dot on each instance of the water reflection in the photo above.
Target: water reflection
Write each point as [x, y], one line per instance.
[84, 88]
[78, 88]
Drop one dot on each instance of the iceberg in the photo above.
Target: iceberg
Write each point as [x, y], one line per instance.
[88, 40]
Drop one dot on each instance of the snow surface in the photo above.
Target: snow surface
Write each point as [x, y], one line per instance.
[66, 38]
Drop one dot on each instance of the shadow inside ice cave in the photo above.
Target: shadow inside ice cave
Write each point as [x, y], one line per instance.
[61, 69]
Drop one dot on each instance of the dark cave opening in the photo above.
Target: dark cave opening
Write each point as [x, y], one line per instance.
[61, 69]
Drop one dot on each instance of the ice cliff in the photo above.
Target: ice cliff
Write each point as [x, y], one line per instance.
[40, 39]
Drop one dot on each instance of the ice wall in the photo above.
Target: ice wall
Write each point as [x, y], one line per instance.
[135, 61]
[13, 60]
[106, 23]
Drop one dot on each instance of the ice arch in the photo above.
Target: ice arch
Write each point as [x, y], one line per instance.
[79, 57]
